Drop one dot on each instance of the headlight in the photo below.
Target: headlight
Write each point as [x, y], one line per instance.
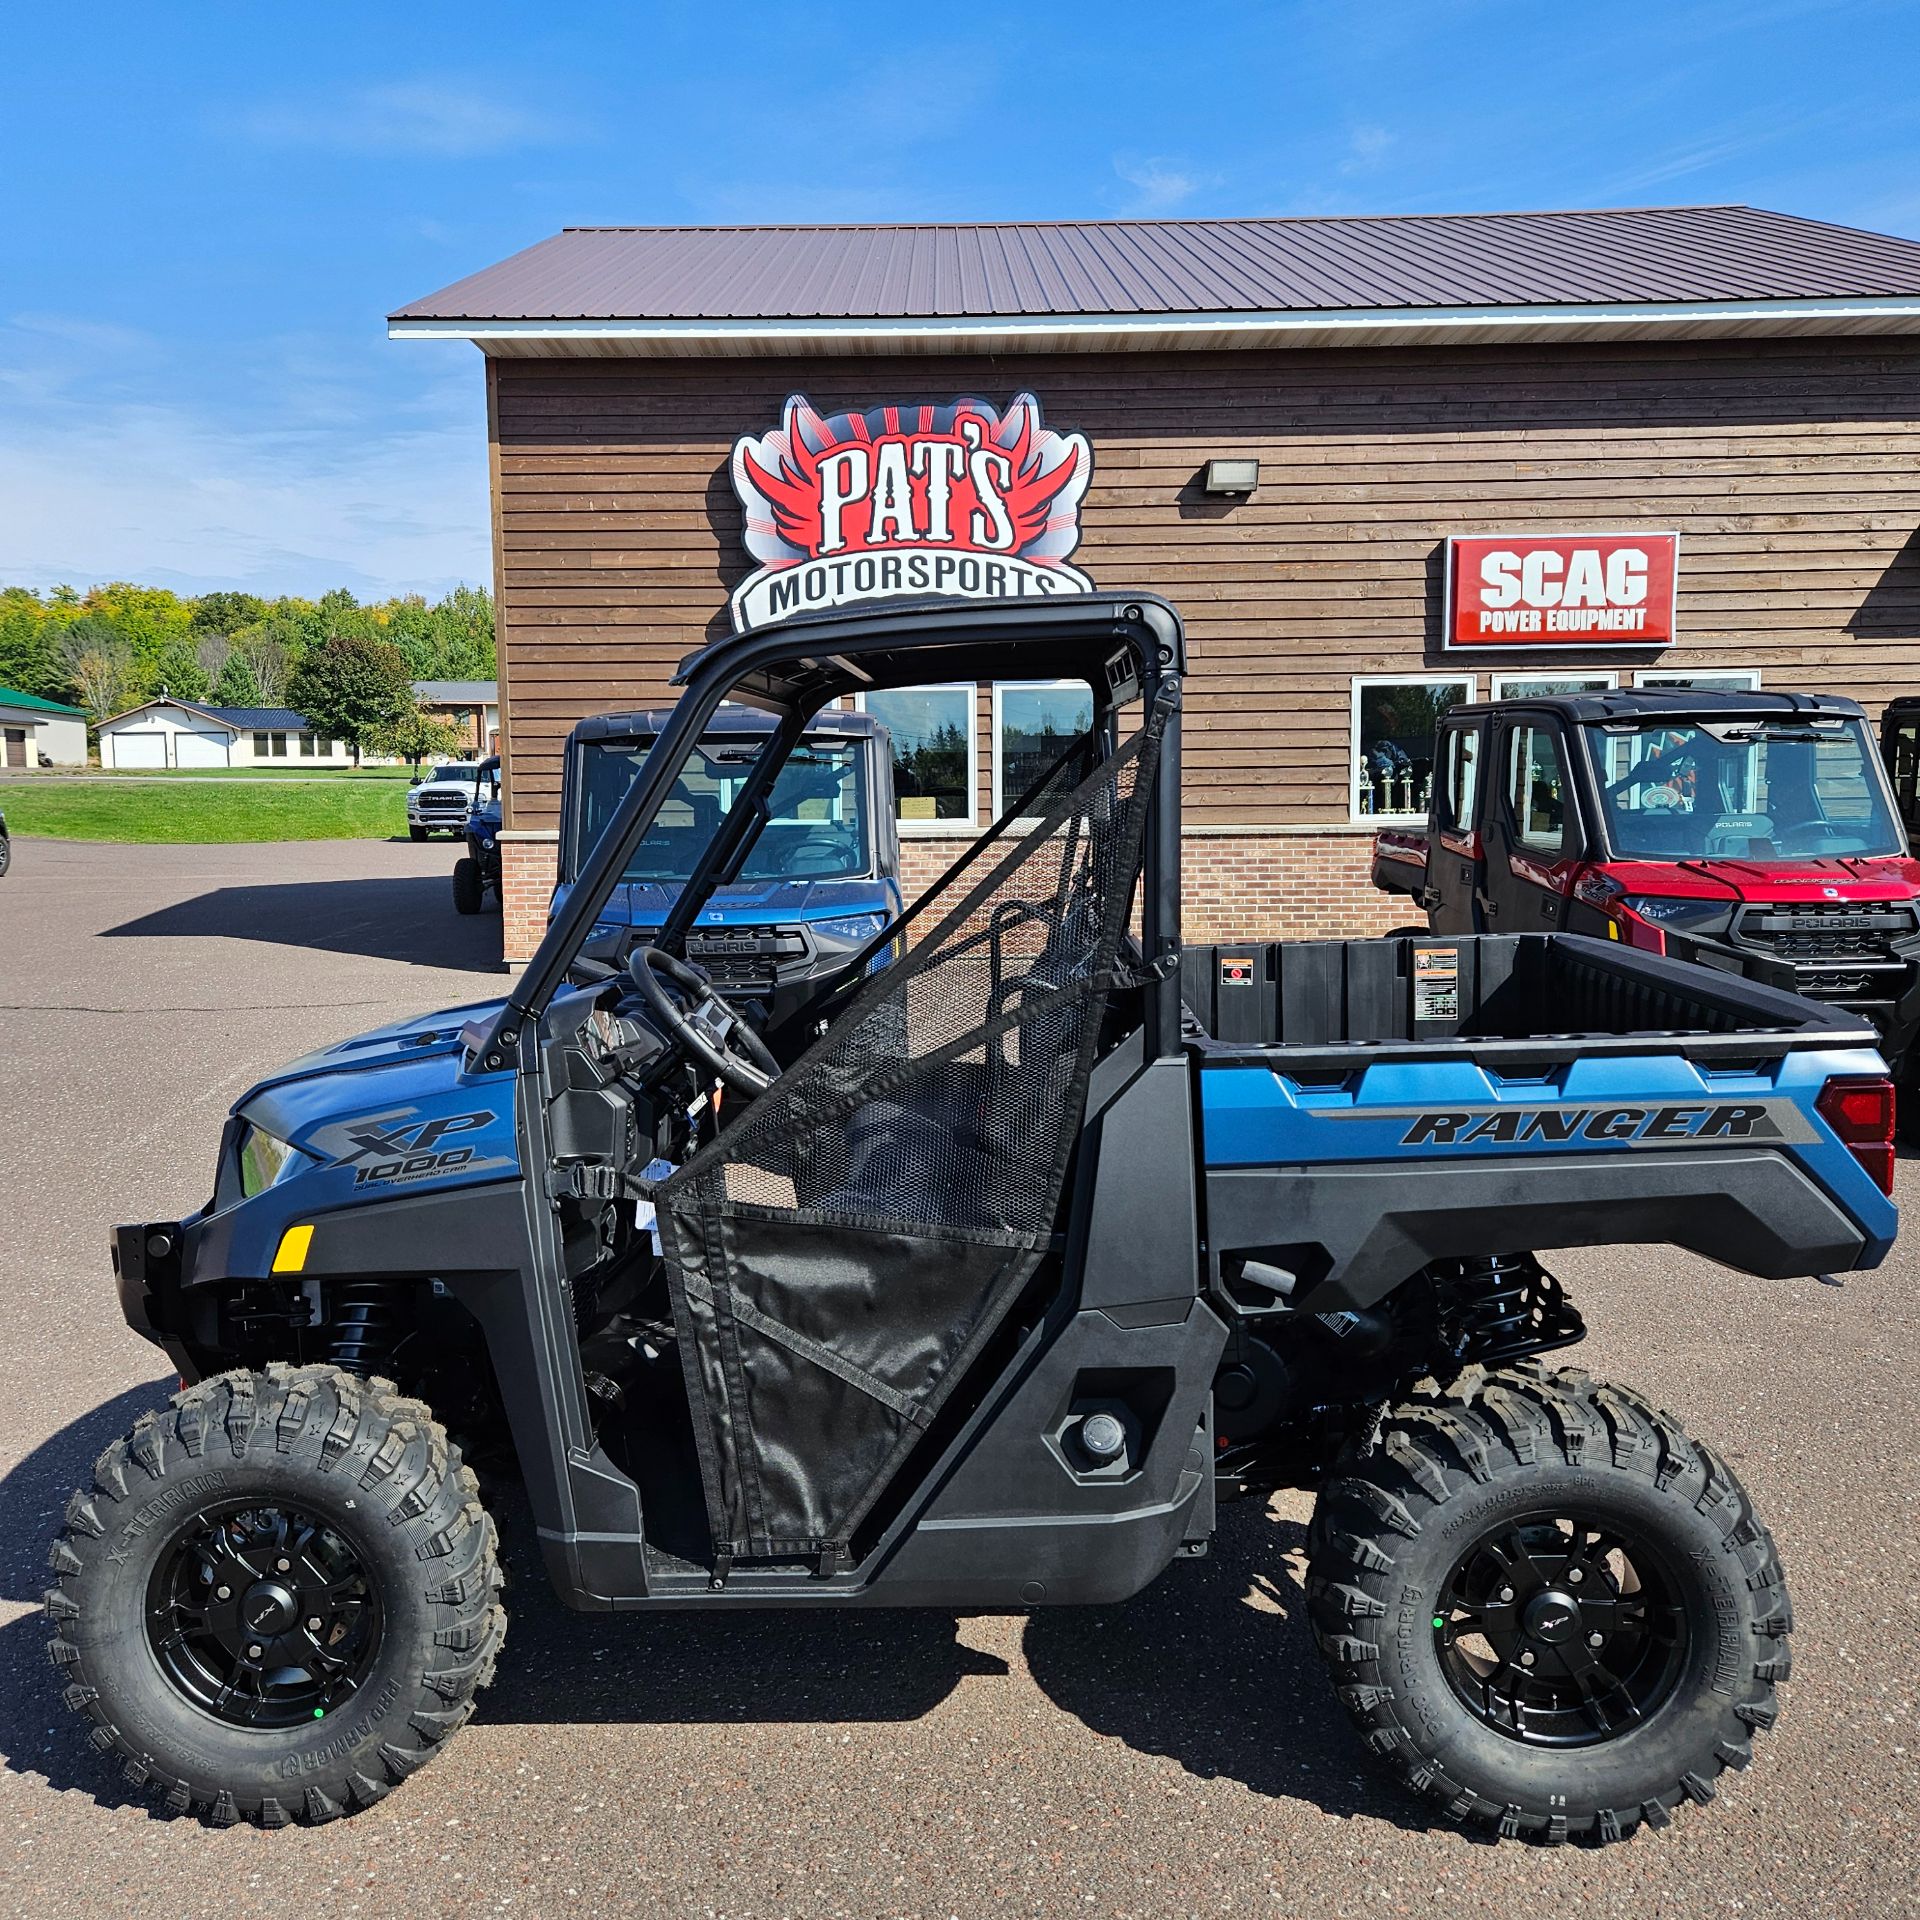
[264, 1161]
[855, 929]
[1680, 914]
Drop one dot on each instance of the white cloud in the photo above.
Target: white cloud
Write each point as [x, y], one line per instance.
[452, 119]
[1367, 148]
[341, 488]
[1159, 184]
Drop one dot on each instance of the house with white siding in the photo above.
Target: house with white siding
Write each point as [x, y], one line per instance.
[179, 733]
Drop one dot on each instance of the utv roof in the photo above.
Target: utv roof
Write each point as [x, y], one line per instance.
[1673, 703]
[729, 719]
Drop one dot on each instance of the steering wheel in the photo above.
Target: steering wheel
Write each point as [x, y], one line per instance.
[694, 1016]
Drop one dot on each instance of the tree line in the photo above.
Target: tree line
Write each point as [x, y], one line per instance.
[115, 646]
[348, 667]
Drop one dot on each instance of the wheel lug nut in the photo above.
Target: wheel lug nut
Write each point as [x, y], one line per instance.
[254, 1653]
[1574, 1576]
[1596, 1639]
[280, 1566]
[1526, 1659]
[223, 1593]
[313, 1625]
[1506, 1593]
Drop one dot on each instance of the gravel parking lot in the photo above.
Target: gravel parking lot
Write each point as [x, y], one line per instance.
[1178, 1754]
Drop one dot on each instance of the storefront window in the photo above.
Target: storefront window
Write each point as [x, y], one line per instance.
[1537, 686]
[1735, 680]
[1393, 725]
[1033, 726]
[932, 729]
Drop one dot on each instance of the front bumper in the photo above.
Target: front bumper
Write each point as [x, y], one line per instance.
[148, 1260]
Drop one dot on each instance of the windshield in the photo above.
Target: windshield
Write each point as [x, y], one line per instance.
[1741, 790]
[817, 829]
[460, 776]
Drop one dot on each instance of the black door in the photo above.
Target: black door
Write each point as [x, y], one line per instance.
[1454, 848]
[1532, 837]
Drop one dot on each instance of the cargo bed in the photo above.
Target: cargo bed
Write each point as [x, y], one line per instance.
[1502, 999]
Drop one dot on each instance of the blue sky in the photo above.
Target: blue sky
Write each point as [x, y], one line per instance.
[207, 209]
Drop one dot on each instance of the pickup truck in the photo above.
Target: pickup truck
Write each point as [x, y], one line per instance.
[984, 1281]
[821, 879]
[1753, 833]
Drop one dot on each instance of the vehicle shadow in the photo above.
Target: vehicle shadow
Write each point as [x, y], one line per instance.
[407, 918]
[1214, 1665]
[37, 1733]
[1191, 1669]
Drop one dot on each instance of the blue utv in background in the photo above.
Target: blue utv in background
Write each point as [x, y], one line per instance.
[477, 872]
[819, 882]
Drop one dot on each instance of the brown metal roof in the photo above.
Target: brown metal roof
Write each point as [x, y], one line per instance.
[1112, 268]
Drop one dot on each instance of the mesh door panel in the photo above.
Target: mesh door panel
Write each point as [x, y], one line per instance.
[842, 1250]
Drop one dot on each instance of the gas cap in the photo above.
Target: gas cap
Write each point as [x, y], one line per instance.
[1103, 1437]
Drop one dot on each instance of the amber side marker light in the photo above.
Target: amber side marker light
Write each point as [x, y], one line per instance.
[1860, 1111]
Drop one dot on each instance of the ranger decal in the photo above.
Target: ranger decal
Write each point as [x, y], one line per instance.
[1555, 1125]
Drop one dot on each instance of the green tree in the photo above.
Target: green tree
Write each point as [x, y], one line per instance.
[30, 656]
[227, 613]
[173, 668]
[270, 647]
[349, 687]
[414, 735]
[238, 684]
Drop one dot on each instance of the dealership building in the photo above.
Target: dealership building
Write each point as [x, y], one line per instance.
[1381, 465]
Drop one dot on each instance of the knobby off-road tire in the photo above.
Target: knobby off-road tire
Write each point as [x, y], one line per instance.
[377, 1483]
[1493, 1459]
[468, 894]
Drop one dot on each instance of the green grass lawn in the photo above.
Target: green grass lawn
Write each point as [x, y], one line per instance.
[293, 770]
[213, 810]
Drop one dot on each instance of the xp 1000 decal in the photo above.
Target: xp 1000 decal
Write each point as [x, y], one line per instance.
[403, 1146]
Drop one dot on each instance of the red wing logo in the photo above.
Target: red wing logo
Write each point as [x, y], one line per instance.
[956, 500]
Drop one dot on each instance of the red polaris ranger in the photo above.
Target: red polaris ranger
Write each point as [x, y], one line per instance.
[1751, 832]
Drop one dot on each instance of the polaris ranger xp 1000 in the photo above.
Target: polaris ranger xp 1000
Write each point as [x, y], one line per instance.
[976, 1282]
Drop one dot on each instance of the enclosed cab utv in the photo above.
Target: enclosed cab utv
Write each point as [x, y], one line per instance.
[978, 1282]
[822, 878]
[1900, 753]
[1751, 832]
[477, 872]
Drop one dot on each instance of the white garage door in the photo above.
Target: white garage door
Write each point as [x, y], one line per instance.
[199, 749]
[139, 749]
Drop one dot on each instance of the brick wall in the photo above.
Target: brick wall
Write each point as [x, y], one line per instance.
[1271, 886]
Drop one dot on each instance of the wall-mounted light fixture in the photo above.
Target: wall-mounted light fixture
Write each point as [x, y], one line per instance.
[1231, 476]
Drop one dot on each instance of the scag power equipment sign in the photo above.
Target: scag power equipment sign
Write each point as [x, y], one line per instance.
[904, 500]
[1581, 590]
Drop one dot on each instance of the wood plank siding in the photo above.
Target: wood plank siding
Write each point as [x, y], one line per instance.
[1791, 470]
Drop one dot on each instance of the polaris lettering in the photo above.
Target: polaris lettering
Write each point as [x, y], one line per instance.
[1559, 1125]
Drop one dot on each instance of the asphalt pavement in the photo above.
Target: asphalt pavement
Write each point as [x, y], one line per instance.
[1179, 1754]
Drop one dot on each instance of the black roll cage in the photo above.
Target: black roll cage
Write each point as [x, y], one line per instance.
[1119, 644]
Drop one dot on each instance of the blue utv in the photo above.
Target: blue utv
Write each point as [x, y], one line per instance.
[982, 1281]
[820, 880]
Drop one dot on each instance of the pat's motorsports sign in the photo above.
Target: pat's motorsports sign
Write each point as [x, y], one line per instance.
[917, 499]
[1581, 590]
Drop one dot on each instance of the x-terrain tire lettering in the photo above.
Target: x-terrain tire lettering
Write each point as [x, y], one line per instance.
[1546, 1609]
[300, 1550]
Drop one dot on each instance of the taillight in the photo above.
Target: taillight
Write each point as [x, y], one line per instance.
[1860, 1111]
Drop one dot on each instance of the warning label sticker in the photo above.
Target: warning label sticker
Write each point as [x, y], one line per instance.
[1436, 983]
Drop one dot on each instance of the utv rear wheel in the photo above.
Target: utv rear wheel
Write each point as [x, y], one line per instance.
[1547, 1609]
[468, 894]
[278, 1597]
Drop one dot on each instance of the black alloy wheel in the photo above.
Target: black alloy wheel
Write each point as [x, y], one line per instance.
[1558, 1630]
[262, 1616]
[1550, 1613]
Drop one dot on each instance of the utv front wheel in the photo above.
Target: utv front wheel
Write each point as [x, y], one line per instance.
[468, 895]
[1546, 1608]
[278, 1596]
